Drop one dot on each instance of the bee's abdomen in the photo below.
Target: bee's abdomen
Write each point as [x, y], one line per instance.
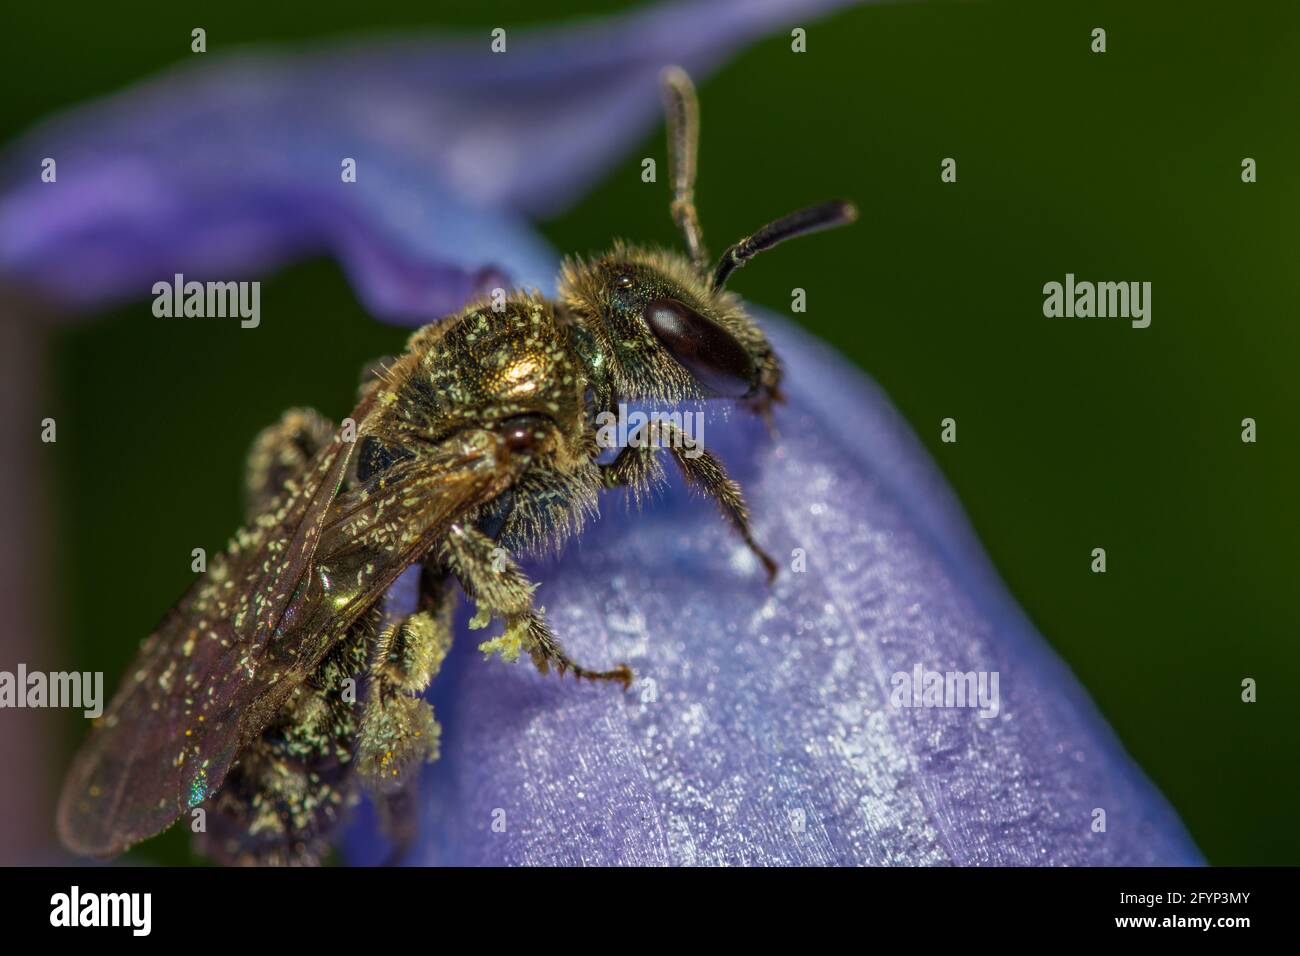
[295, 784]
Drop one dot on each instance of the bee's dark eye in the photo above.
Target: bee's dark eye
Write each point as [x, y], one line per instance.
[705, 349]
[625, 281]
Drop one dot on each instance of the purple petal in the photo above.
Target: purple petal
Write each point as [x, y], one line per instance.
[761, 729]
[231, 166]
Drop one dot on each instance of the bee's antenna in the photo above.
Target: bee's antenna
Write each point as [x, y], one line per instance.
[822, 216]
[683, 115]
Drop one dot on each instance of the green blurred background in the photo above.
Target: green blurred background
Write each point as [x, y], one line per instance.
[1073, 434]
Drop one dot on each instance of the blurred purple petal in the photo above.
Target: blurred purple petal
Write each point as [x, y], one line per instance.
[760, 730]
[227, 167]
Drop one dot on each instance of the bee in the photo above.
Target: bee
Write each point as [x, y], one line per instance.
[283, 685]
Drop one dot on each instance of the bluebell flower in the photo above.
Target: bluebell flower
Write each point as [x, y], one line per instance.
[767, 725]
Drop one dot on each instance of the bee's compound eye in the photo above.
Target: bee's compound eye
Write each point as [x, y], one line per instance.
[704, 348]
[524, 433]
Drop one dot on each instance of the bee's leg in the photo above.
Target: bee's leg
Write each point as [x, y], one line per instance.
[280, 452]
[635, 467]
[768, 396]
[397, 732]
[500, 589]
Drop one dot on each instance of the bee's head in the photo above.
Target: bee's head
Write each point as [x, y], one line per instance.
[665, 334]
[663, 321]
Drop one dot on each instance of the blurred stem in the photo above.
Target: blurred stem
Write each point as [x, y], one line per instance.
[28, 738]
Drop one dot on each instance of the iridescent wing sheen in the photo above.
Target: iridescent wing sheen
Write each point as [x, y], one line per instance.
[223, 661]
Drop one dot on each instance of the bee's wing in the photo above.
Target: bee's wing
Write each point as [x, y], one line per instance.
[223, 661]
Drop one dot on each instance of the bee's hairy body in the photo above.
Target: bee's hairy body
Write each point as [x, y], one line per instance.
[283, 684]
[487, 366]
[523, 365]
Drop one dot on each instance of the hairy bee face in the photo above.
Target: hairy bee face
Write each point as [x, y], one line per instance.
[664, 333]
[659, 325]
